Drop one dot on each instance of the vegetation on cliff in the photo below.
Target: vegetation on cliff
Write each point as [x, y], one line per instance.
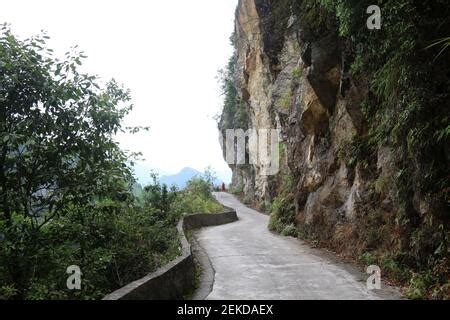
[234, 113]
[403, 71]
[407, 109]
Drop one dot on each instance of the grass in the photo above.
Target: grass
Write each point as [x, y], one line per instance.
[284, 102]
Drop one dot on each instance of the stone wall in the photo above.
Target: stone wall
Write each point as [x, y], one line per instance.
[200, 220]
[176, 278]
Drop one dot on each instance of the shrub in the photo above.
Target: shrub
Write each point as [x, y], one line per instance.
[284, 101]
[367, 258]
[290, 230]
[418, 286]
[297, 73]
[197, 198]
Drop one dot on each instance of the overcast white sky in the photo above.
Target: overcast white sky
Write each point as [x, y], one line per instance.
[166, 52]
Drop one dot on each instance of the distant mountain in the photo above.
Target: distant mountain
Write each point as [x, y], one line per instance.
[142, 173]
[181, 178]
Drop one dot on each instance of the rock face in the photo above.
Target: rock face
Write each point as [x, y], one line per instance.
[294, 80]
[348, 178]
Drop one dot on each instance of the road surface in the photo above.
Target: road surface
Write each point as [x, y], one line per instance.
[250, 262]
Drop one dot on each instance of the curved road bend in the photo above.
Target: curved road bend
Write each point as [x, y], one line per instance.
[250, 262]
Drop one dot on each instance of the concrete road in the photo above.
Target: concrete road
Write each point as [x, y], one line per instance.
[250, 262]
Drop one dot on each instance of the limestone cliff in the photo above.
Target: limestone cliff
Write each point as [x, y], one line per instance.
[294, 86]
[291, 71]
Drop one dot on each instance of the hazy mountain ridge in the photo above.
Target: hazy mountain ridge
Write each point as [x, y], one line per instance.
[181, 178]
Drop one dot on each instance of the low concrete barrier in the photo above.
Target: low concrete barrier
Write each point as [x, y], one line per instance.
[199, 220]
[177, 277]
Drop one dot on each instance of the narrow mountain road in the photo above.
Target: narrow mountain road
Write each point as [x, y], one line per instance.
[250, 262]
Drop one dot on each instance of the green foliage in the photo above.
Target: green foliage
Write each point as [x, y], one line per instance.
[7, 292]
[407, 82]
[65, 186]
[357, 66]
[57, 128]
[381, 184]
[406, 70]
[275, 224]
[418, 286]
[169, 204]
[408, 89]
[357, 149]
[197, 197]
[289, 230]
[284, 101]
[297, 73]
[309, 15]
[282, 214]
[390, 265]
[367, 258]
[112, 243]
[234, 113]
[158, 199]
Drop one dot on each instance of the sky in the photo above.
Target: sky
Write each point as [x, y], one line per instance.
[166, 52]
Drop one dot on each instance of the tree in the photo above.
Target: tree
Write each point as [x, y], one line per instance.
[56, 145]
